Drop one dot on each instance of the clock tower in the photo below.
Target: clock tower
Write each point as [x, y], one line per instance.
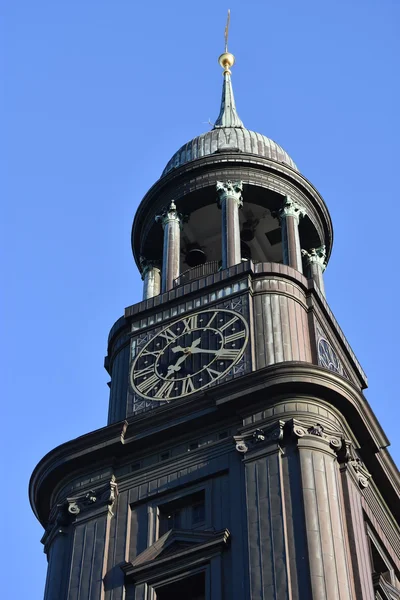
[241, 459]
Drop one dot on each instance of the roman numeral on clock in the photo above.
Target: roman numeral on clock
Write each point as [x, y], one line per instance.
[166, 389]
[187, 386]
[189, 324]
[168, 335]
[213, 373]
[228, 353]
[143, 372]
[235, 336]
[147, 385]
[228, 324]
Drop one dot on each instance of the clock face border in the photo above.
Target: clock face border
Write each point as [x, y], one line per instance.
[187, 389]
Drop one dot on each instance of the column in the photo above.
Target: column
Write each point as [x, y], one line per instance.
[289, 216]
[171, 222]
[316, 263]
[151, 276]
[229, 201]
[323, 512]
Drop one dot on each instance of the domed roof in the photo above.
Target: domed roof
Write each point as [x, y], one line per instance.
[228, 134]
[233, 139]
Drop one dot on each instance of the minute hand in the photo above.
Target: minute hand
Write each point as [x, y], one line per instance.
[201, 351]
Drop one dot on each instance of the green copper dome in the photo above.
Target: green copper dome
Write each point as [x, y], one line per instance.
[228, 134]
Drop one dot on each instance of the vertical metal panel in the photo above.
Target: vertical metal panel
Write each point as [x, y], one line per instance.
[362, 555]
[90, 547]
[119, 386]
[266, 529]
[330, 577]
[118, 547]
[57, 568]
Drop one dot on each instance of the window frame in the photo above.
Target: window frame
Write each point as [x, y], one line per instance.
[153, 508]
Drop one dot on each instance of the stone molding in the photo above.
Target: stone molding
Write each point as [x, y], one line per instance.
[316, 256]
[345, 451]
[230, 189]
[348, 457]
[259, 437]
[281, 432]
[62, 514]
[169, 213]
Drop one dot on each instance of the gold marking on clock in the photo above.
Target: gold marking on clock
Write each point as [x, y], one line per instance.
[228, 353]
[228, 324]
[166, 389]
[235, 336]
[168, 335]
[213, 373]
[148, 384]
[143, 372]
[187, 386]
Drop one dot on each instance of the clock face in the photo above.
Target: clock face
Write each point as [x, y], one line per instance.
[189, 354]
[327, 357]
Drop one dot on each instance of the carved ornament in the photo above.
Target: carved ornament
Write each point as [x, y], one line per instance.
[301, 430]
[170, 214]
[230, 189]
[290, 208]
[147, 265]
[316, 256]
[349, 456]
[259, 437]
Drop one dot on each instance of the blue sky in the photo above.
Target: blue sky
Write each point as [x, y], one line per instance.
[97, 97]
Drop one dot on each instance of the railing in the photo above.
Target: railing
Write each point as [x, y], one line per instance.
[209, 268]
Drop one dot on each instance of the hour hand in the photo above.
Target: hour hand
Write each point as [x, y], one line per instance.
[178, 349]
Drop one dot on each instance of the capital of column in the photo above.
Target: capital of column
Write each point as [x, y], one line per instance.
[316, 256]
[290, 208]
[168, 214]
[147, 265]
[230, 189]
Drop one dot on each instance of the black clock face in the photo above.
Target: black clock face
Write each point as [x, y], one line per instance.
[189, 354]
[327, 357]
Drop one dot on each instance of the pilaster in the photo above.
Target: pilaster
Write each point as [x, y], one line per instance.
[81, 522]
[229, 194]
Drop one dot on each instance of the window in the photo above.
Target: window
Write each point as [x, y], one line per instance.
[189, 588]
[187, 512]
[384, 574]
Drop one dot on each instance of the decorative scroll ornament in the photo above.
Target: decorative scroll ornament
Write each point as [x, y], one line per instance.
[62, 513]
[147, 265]
[349, 456]
[259, 437]
[230, 189]
[316, 256]
[103, 496]
[290, 208]
[301, 430]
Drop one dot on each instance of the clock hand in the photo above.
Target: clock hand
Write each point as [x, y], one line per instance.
[186, 352]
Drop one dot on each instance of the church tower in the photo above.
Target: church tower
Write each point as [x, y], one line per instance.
[241, 459]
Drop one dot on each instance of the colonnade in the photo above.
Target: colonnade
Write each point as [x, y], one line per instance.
[159, 277]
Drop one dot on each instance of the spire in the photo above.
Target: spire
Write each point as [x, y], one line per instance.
[228, 116]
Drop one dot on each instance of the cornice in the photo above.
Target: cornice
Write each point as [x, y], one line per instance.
[120, 439]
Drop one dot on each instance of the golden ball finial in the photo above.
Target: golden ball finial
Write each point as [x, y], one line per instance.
[226, 60]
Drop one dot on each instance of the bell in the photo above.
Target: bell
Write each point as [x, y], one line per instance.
[245, 251]
[247, 234]
[195, 257]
